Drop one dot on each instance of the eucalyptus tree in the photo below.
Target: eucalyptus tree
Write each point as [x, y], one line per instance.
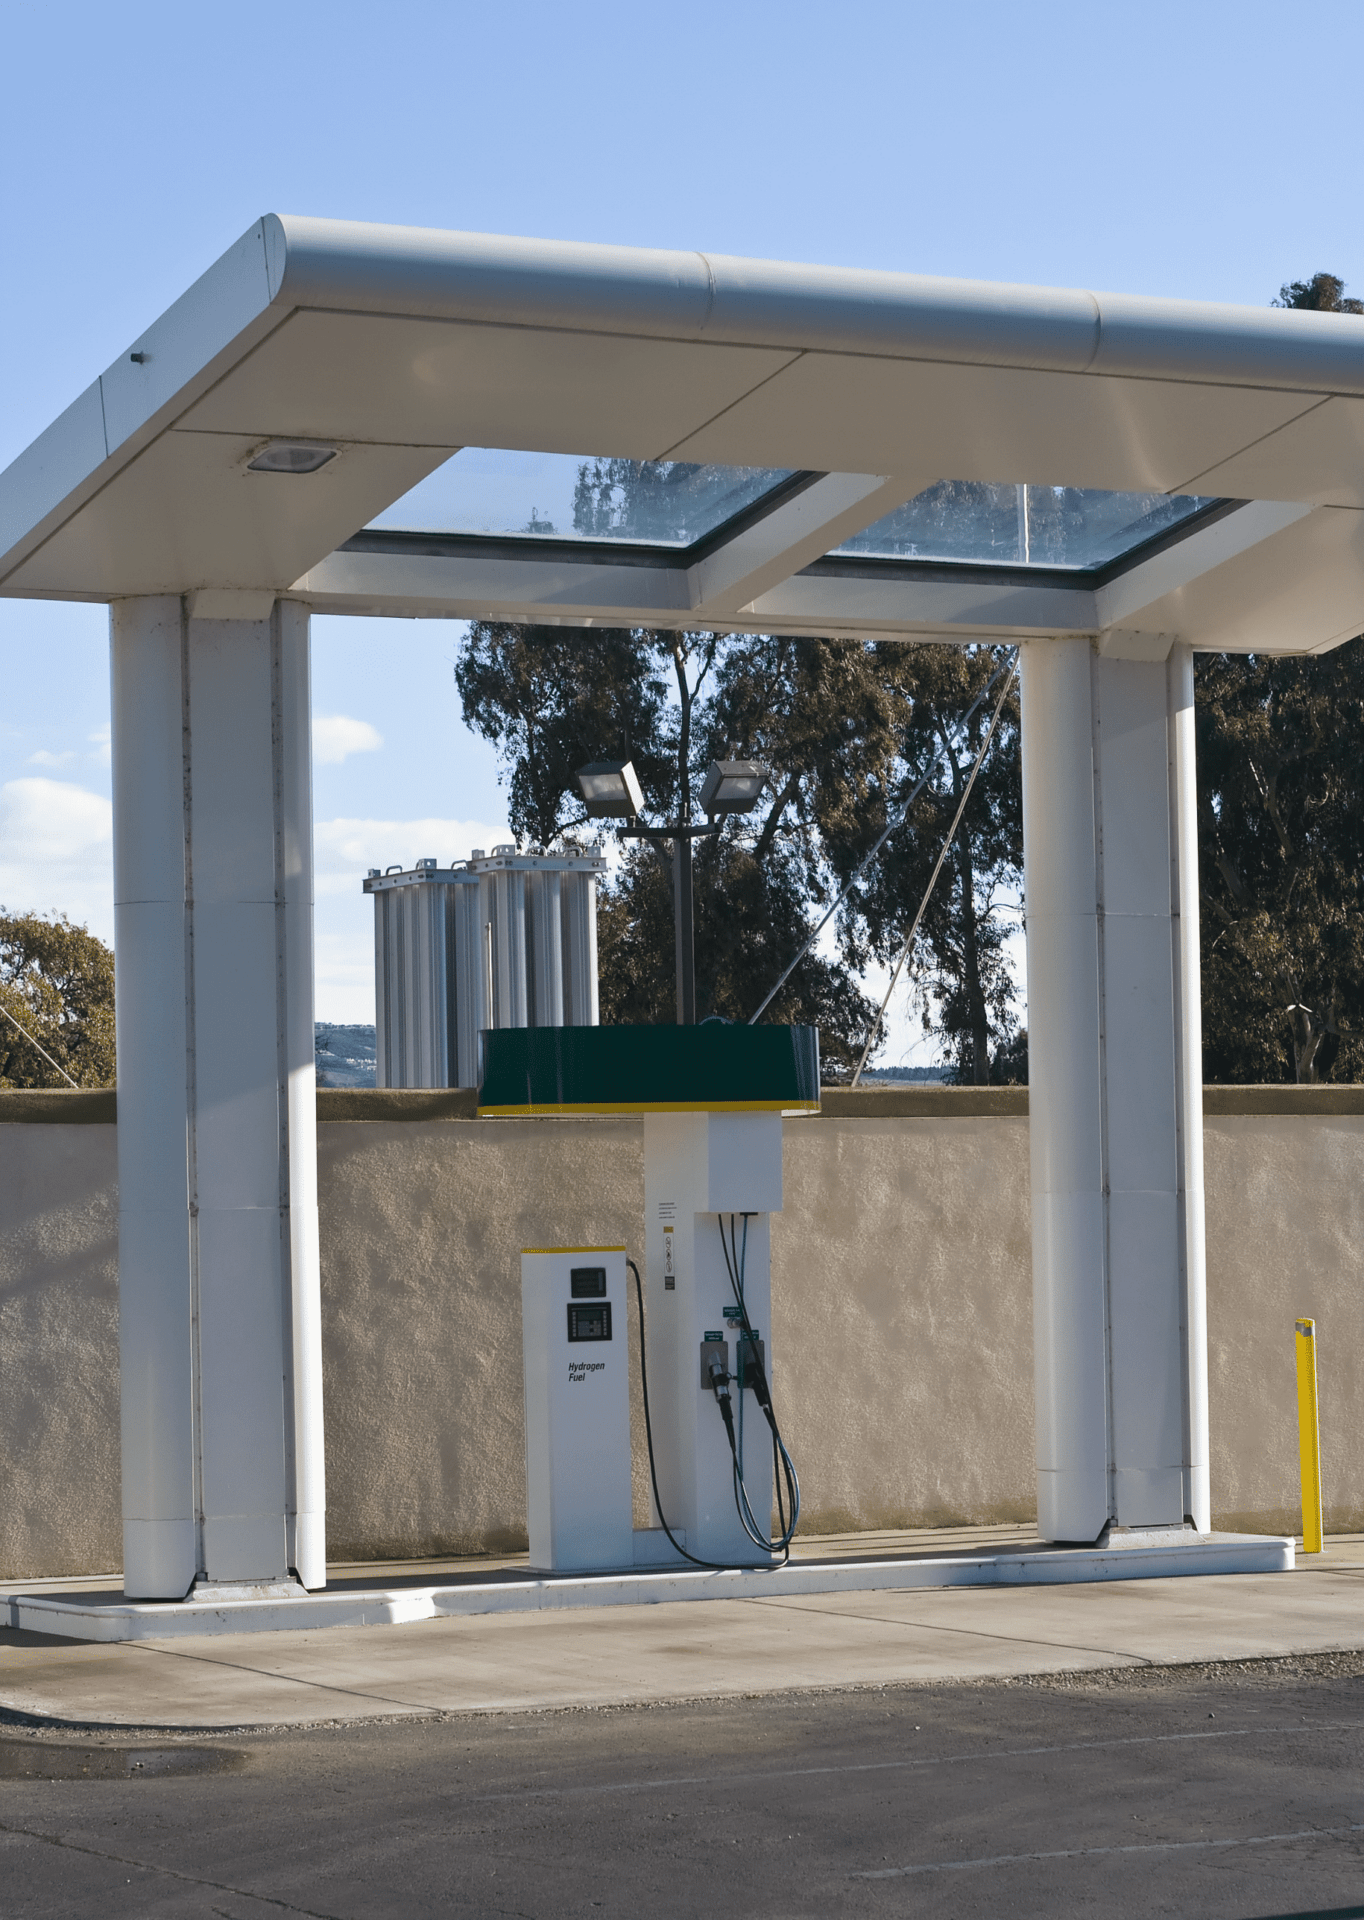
[671, 702]
[960, 964]
[1281, 845]
[1281, 861]
[846, 727]
[56, 1003]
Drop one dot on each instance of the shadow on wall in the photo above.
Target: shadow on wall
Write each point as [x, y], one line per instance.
[901, 1308]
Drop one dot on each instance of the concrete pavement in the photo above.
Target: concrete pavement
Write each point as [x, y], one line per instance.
[407, 1594]
[725, 1648]
[1221, 1793]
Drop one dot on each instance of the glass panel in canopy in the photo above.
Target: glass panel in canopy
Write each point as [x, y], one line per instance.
[564, 496]
[995, 524]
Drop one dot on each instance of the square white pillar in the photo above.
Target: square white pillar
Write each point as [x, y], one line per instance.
[220, 1347]
[1115, 1065]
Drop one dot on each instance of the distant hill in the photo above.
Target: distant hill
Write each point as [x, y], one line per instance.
[345, 1055]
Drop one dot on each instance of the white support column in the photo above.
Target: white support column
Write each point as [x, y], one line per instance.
[1189, 1090]
[1065, 1092]
[1116, 1090]
[220, 1347]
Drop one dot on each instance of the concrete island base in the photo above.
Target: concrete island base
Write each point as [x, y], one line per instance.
[79, 1612]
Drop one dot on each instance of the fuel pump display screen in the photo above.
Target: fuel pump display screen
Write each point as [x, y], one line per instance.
[587, 1283]
[590, 1323]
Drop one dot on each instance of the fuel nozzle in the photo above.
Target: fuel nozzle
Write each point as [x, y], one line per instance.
[715, 1378]
[752, 1372]
[715, 1372]
[719, 1384]
[757, 1379]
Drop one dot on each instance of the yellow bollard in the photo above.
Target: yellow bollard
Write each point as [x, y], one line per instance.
[1309, 1439]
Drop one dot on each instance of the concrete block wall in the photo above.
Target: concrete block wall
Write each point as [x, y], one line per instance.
[901, 1307]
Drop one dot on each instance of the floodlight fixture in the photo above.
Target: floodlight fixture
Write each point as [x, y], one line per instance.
[291, 456]
[611, 790]
[733, 786]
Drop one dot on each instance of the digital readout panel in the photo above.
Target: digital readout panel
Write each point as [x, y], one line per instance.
[590, 1323]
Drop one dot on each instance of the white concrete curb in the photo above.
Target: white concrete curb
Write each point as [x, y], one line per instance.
[1134, 1557]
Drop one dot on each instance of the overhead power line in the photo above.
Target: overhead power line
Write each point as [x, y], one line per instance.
[933, 877]
[42, 1050]
[880, 841]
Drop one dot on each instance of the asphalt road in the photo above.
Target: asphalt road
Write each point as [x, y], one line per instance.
[1232, 1791]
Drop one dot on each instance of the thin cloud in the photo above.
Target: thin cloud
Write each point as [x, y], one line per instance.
[345, 850]
[56, 852]
[336, 736]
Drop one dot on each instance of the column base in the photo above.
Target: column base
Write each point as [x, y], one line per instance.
[159, 1559]
[1072, 1504]
[211, 1590]
[307, 1548]
[1149, 1496]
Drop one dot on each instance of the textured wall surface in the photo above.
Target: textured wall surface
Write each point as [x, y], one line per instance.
[59, 1489]
[1285, 1239]
[902, 1324]
[422, 1231]
[901, 1320]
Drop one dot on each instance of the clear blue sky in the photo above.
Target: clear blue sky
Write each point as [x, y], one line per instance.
[1204, 149]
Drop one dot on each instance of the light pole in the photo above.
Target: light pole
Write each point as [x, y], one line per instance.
[611, 791]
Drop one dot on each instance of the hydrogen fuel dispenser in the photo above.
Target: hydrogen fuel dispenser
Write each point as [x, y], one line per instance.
[724, 1488]
[574, 1342]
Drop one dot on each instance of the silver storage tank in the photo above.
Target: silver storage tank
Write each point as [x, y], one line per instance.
[505, 939]
[419, 916]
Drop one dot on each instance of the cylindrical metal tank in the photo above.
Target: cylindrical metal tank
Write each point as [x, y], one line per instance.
[416, 973]
[578, 929]
[544, 949]
[505, 939]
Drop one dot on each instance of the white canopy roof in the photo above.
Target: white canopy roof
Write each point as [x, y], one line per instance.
[400, 346]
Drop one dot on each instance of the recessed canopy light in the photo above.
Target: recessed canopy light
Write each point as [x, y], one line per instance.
[291, 456]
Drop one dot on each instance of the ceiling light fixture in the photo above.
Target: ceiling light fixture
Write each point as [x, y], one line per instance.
[291, 456]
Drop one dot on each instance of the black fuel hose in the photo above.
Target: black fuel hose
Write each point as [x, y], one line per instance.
[783, 1467]
[711, 1566]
